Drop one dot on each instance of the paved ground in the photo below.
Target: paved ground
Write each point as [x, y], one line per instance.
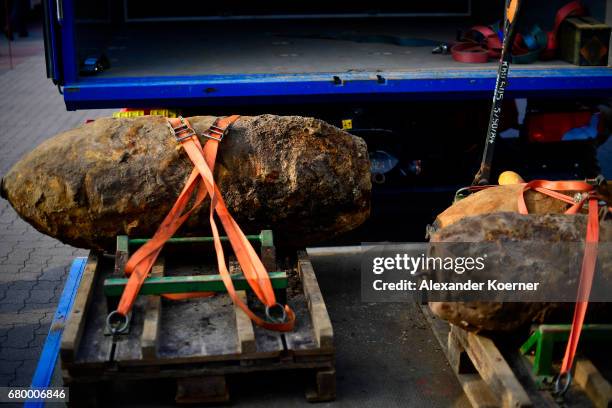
[32, 266]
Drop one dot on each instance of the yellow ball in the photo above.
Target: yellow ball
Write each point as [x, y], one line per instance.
[509, 177]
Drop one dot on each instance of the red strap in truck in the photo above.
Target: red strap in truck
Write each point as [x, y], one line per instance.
[471, 49]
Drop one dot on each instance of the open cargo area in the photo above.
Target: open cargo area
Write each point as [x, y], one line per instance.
[294, 47]
[207, 57]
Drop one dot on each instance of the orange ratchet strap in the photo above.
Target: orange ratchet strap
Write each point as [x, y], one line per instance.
[201, 182]
[589, 260]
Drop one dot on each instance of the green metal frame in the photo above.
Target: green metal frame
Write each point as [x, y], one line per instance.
[114, 286]
[186, 284]
[265, 238]
[542, 342]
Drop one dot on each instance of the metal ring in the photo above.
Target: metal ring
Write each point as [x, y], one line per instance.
[560, 388]
[379, 178]
[122, 327]
[283, 317]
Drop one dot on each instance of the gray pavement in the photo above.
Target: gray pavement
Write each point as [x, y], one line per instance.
[33, 267]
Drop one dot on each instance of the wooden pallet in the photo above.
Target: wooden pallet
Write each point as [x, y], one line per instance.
[492, 379]
[197, 342]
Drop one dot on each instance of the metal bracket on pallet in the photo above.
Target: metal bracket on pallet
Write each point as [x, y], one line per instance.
[542, 341]
[158, 285]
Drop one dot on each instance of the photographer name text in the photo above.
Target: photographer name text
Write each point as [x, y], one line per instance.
[430, 285]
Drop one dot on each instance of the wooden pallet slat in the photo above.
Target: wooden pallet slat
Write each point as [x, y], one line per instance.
[597, 388]
[202, 390]
[244, 325]
[475, 389]
[458, 359]
[150, 329]
[493, 368]
[198, 331]
[318, 311]
[302, 342]
[324, 388]
[244, 328]
[95, 348]
[75, 326]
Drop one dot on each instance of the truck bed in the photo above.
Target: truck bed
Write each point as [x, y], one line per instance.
[278, 47]
[281, 61]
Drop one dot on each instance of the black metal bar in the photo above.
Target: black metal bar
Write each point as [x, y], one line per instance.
[484, 173]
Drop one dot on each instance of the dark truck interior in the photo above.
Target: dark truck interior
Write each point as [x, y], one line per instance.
[238, 38]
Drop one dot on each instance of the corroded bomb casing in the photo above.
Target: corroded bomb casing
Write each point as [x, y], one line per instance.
[301, 177]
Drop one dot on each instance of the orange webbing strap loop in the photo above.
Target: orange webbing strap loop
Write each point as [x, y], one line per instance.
[551, 188]
[141, 262]
[251, 265]
[584, 286]
[589, 259]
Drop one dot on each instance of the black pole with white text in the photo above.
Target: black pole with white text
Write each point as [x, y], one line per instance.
[484, 172]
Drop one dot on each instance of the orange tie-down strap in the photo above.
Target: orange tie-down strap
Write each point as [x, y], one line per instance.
[589, 259]
[201, 183]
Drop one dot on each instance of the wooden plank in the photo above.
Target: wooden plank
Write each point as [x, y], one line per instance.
[76, 323]
[202, 390]
[324, 386]
[127, 345]
[211, 333]
[267, 343]
[587, 377]
[477, 392]
[475, 389]
[244, 328]
[150, 327]
[244, 325]
[95, 348]
[458, 358]
[321, 323]
[493, 368]
[302, 340]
